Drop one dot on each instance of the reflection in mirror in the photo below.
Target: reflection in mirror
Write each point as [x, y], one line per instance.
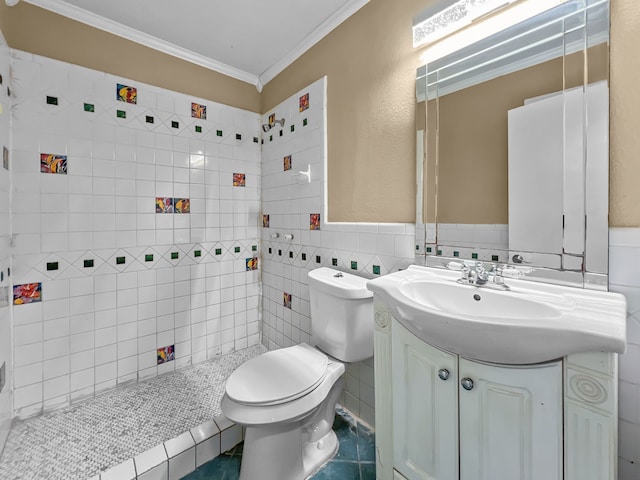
[514, 163]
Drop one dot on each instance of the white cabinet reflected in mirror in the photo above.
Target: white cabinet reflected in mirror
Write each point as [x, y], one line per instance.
[513, 145]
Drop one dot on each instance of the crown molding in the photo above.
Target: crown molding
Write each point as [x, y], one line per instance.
[101, 23]
[314, 37]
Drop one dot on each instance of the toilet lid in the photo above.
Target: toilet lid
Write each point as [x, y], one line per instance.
[278, 376]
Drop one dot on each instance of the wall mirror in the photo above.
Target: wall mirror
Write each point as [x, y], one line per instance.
[513, 152]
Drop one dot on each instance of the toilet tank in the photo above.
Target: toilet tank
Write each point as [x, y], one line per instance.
[341, 314]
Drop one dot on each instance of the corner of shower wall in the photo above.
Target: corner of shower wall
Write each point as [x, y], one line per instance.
[5, 248]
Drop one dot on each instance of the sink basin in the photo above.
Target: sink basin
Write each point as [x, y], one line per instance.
[529, 323]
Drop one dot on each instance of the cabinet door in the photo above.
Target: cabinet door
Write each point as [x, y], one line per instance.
[510, 422]
[425, 427]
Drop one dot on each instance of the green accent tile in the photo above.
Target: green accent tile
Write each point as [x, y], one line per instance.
[281, 132]
[456, 253]
[271, 138]
[334, 262]
[174, 255]
[198, 129]
[120, 260]
[354, 265]
[304, 122]
[293, 128]
[318, 259]
[175, 124]
[218, 251]
[218, 133]
[417, 247]
[474, 256]
[88, 263]
[280, 252]
[439, 252]
[52, 100]
[149, 119]
[121, 114]
[236, 249]
[197, 253]
[148, 257]
[256, 140]
[52, 266]
[89, 107]
[270, 251]
[254, 248]
[376, 269]
[290, 254]
[304, 256]
[428, 249]
[238, 136]
[494, 258]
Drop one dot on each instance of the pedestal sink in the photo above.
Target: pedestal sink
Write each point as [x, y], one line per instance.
[526, 324]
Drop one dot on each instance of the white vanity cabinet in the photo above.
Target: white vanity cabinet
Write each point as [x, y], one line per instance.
[442, 417]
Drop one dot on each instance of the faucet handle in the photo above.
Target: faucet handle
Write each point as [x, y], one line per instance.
[458, 266]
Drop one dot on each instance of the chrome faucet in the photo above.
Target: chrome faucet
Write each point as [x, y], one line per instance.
[478, 276]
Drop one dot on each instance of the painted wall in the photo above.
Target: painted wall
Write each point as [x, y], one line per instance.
[370, 66]
[120, 274]
[5, 242]
[297, 208]
[36, 30]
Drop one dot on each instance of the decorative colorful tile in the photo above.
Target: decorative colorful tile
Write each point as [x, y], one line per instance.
[304, 102]
[181, 205]
[166, 354]
[50, 163]
[252, 263]
[314, 221]
[287, 163]
[164, 205]
[198, 111]
[5, 158]
[126, 94]
[286, 300]
[27, 293]
[239, 180]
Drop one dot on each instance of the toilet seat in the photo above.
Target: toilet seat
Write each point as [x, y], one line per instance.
[278, 376]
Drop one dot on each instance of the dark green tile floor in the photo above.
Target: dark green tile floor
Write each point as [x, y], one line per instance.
[355, 459]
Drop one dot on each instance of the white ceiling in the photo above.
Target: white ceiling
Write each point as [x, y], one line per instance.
[252, 40]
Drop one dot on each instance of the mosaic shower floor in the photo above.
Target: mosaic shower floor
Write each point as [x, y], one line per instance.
[355, 459]
[79, 441]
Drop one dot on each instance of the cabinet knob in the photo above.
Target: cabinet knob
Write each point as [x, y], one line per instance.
[467, 383]
[443, 373]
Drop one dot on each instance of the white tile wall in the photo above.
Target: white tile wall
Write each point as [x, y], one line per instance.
[99, 327]
[624, 261]
[289, 203]
[5, 258]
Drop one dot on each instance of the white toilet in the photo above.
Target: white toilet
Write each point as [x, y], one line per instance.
[286, 398]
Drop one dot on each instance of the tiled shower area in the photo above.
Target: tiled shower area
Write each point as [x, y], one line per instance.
[145, 231]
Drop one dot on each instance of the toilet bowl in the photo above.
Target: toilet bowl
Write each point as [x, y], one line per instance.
[286, 398]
